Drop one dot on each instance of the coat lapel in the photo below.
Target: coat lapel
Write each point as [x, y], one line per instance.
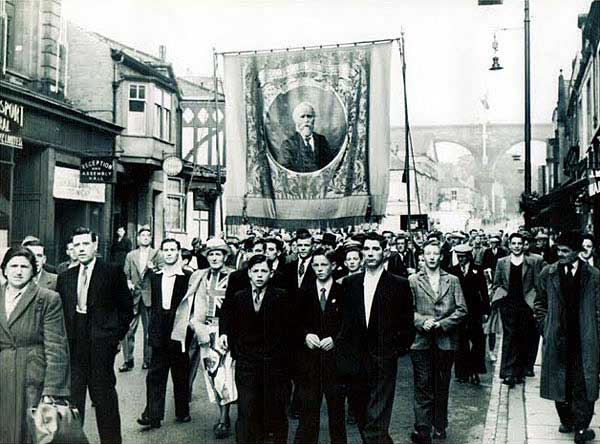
[444, 284]
[525, 267]
[359, 291]
[24, 301]
[426, 286]
[3, 320]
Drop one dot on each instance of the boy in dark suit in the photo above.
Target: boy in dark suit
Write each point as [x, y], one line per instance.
[255, 325]
[319, 322]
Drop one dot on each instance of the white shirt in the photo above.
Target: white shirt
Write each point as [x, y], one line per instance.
[516, 260]
[369, 286]
[12, 296]
[434, 281]
[574, 267]
[306, 263]
[169, 274]
[326, 285]
[82, 304]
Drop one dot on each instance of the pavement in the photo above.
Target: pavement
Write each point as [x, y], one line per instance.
[520, 416]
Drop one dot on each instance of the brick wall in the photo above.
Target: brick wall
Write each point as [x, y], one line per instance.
[90, 73]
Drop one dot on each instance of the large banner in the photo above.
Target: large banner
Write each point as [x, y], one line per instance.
[307, 136]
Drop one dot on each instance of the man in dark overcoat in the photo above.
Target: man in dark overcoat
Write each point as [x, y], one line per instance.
[567, 309]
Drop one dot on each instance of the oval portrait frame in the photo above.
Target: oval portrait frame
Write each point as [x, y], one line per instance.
[330, 121]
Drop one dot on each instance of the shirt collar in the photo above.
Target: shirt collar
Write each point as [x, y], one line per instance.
[90, 265]
[172, 271]
[374, 276]
[326, 285]
[13, 292]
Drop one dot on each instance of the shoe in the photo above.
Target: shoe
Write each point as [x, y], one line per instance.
[222, 430]
[439, 434]
[564, 428]
[145, 366]
[186, 418]
[350, 419]
[582, 436]
[510, 382]
[475, 379]
[530, 373]
[147, 422]
[127, 366]
[420, 438]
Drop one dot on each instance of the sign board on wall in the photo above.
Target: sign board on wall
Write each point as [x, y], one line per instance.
[593, 182]
[11, 124]
[96, 170]
[68, 186]
[417, 222]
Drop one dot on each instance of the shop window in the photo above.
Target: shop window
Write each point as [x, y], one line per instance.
[175, 210]
[162, 114]
[136, 116]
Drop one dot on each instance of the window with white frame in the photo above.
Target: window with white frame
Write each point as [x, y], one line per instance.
[162, 114]
[136, 114]
[175, 210]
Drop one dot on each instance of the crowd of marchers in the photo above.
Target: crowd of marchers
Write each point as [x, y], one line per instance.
[277, 321]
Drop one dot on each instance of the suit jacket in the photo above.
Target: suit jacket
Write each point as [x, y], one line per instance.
[278, 328]
[448, 307]
[291, 156]
[397, 265]
[47, 280]
[312, 319]
[530, 269]
[162, 321]
[360, 349]
[490, 260]
[109, 308]
[141, 276]
[290, 271]
[475, 291]
[548, 306]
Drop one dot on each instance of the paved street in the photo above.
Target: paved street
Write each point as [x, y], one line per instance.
[468, 406]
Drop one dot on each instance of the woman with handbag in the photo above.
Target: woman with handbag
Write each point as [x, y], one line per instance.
[34, 353]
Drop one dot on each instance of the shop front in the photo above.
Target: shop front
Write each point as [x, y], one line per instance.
[40, 189]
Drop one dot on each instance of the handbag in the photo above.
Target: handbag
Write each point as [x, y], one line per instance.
[56, 423]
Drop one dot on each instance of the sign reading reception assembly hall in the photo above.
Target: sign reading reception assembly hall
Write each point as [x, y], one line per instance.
[308, 135]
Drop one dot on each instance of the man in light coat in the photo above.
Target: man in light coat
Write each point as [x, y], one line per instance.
[567, 309]
[138, 264]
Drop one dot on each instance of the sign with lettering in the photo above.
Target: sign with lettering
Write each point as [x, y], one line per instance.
[593, 182]
[68, 186]
[96, 170]
[11, 124]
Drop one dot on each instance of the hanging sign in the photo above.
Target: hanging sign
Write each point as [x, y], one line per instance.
[593, 182]
[96, 170]
[11, 124]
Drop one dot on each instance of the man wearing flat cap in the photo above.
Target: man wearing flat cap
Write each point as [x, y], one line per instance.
[567, 312]
[449, 258]
[470, 355]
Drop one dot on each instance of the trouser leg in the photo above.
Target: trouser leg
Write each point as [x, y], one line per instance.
[102, 384]
[442, 369]
[194, 359]
[335, 396]
[250, 422]
[128, 342]
[156, 384]
[145, 315]
[422, 363]
[179, 375]
[310, 395]
[510, 342]
[382, 387]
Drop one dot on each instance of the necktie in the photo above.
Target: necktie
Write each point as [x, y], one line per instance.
[81, 293]
[256, 299]
[308, 145]
[323, 298]
[302, 269]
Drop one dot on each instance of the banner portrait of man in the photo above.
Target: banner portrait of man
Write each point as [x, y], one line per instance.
[309, 136]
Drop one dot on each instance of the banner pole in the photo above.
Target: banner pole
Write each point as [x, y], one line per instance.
[406, 135]
[304, 48]
[216, 96]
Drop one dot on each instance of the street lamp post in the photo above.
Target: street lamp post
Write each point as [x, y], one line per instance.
[527, 126]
